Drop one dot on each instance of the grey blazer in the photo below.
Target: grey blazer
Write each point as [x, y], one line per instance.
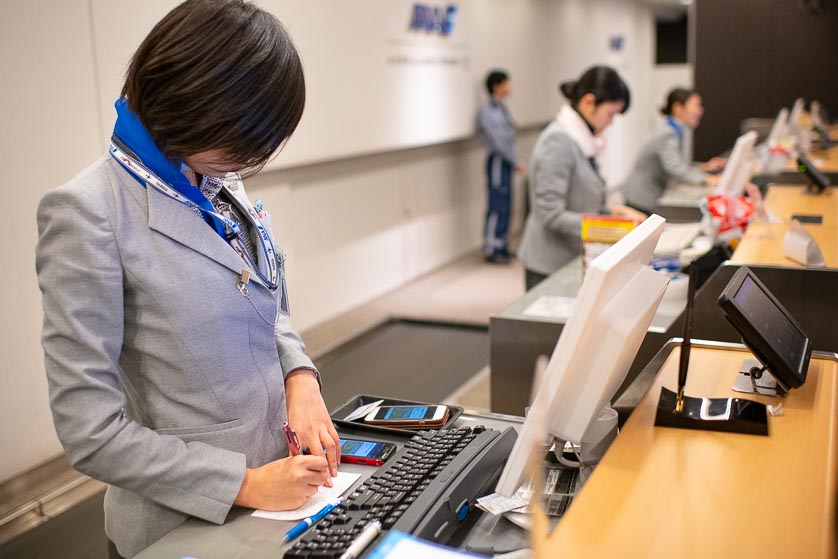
[563, 186]
[660, 161]
[164, 381]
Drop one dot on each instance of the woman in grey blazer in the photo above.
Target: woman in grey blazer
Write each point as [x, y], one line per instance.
[170, 355]
[564, 177]
[662, 158]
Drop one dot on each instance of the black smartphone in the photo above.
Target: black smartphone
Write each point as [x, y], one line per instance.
[368, 453]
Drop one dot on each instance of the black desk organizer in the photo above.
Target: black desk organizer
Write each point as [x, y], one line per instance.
[352, 404]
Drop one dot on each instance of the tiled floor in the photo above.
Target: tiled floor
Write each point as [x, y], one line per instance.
[466, 291]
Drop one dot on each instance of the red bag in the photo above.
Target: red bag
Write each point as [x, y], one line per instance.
[733, 214]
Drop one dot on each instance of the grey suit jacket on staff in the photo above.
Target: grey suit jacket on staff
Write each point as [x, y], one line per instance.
[497, 131]
[563, 186]
[660, 161]
[164, 381]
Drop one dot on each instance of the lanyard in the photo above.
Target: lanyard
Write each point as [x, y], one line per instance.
[679, 130]
[267, 273]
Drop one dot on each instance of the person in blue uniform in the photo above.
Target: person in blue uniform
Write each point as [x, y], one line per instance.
[497, 133]
[662, 161]
[169, 350]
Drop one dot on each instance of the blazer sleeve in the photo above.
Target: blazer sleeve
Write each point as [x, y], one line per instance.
[289, 344]
[552, 179]
[674, 165]
[291, 349]
[81, 280]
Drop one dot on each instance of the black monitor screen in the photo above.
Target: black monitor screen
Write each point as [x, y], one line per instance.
[767, 328]
[763, 314]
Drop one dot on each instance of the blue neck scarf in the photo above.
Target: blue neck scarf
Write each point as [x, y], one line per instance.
[133, 135]
[678, 127]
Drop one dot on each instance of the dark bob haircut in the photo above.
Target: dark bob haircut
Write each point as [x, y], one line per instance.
[677, 95]
[603, 82]
[217, 75]
[495, 77]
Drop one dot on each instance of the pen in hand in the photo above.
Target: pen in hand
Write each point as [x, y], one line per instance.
[294, 446]
[293, 441]
[307, 523]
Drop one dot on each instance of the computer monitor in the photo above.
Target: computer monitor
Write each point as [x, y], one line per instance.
[795, 114]
[739, 167]
[818, 182]
[820, 124]
[614, 308]
[817, 111]
[767, 328]
[778, 129]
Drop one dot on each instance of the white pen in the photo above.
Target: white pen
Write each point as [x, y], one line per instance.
[363, 540]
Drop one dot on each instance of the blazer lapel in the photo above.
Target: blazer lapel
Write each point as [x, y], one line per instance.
[175, 220]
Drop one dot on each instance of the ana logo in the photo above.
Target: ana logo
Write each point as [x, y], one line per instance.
[433, 19]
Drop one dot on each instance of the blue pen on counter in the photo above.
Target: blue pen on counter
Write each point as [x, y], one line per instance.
[307, 523]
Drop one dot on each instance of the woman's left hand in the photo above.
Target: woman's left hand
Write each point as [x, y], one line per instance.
[715, 165]
[308, 415]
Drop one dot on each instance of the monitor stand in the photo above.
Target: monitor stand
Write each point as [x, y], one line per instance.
[597, 438]
[765, 384]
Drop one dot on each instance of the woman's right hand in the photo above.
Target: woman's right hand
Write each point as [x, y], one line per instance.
[619, 210]
[283, 484]
[715, 165]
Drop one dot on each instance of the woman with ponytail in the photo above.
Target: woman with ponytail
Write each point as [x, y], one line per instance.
[564, 176]
[662, 158]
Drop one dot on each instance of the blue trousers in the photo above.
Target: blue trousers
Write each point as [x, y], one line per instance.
[499, 206]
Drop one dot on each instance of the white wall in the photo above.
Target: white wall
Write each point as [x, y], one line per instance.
[353, 227]
[49, 130]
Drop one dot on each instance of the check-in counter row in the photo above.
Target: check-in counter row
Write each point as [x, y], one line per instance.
[680, 202]
[810, 295]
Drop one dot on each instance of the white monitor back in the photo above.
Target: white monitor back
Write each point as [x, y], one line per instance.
[778, 129]
[739, 167]
[795, 114]
[614, 308]
[817, 115]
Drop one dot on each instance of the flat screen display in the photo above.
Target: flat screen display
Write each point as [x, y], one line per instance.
[767, 328]
[768, 320]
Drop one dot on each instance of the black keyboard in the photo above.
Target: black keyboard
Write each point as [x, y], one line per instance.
[428, 489]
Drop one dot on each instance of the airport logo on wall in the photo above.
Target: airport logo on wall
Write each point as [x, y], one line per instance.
[429, 18]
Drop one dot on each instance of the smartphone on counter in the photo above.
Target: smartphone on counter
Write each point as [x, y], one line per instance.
[408, 417]
[368, 453]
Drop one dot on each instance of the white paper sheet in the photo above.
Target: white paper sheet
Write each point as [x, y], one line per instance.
[316, 502]
[363, 410]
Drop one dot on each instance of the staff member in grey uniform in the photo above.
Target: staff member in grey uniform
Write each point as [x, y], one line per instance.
[564, 176]
[497, 132]
[662, 158]
[170, 355]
